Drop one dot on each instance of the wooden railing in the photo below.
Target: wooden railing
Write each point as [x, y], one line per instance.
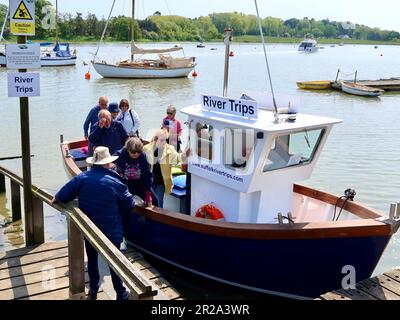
[79, 227]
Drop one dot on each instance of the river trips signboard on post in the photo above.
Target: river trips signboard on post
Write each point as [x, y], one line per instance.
[23, 84]
[22, 17]
[237, 107]
[23, 56]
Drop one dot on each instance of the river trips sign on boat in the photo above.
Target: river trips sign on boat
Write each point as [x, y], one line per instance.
[23, 84]
[236, 107]
[22, 17]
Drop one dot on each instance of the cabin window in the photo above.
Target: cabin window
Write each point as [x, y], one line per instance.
[294, 149]
[239, 147]
[204, 132]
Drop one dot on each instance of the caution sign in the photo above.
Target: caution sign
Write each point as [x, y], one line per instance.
[22, 17]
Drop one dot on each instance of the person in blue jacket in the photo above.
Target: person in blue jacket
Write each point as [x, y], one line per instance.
[93, 116]
[108, 133]
[104, 199]
[134, 169]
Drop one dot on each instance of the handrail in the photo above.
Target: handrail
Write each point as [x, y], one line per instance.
[139, 286]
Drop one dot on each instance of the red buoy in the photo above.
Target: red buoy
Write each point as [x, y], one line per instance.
[231, 54]
[194, 73]
[87, 75]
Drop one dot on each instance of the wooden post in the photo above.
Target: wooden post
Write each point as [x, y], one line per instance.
[2, 183]
[15, 201]
[38, 221]
[26, 163]
[76, 262]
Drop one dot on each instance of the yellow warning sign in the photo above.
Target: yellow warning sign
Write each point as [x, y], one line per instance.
[22, 12]
[22, 17]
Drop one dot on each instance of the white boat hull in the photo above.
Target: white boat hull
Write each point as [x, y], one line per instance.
[308, 50]
[113, 71]
[57, 61]
[360, 92]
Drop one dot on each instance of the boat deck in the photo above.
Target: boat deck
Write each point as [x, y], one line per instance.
[382, 287]
[41, 273]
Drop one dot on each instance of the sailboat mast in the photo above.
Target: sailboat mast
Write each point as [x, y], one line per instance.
[56, 21]
[4, 25]
[132, 29]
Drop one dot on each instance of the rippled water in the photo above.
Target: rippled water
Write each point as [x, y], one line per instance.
[363, 152]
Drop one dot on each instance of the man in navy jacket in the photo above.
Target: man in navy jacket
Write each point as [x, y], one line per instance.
[104, 199]
[92, 117]
[108, 133]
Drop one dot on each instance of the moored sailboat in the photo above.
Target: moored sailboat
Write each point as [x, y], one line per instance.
[165, 66]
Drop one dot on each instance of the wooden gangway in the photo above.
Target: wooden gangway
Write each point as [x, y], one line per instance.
[382, 287]
[384, 84]
[56, 270]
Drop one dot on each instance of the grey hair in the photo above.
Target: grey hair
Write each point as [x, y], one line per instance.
[133, 144]
[171, 108]
[104, 113]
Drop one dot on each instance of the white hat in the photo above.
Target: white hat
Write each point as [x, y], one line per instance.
[101, 156]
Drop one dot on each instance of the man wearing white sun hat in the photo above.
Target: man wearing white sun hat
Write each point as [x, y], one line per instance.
[103, 198]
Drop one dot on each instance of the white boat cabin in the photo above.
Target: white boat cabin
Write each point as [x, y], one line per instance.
[244, 162]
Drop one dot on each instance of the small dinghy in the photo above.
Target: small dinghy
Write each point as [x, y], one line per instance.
[360, 90]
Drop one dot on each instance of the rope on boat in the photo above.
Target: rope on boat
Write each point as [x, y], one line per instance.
[266, 61]
[103, 34]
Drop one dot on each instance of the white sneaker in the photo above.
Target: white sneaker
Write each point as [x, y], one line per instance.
[123, 246]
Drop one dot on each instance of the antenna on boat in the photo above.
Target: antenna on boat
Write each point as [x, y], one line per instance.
[227, 41]
[276, 116]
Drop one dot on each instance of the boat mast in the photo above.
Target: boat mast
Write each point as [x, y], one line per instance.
[56, 21]
[4, 25]
[132, 29]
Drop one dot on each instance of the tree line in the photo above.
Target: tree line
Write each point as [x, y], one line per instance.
[160, 27]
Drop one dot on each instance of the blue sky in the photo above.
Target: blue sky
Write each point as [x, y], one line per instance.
[383, 14]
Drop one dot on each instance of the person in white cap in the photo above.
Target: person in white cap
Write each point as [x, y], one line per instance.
[104, 199]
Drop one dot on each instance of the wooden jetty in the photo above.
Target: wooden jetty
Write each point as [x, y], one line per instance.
[382, 287]
[56, 270]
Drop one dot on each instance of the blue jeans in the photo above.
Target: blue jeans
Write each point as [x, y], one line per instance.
[159, 190]
[94, 275]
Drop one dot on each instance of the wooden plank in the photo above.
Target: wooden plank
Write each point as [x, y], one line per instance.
[334, 296]
[33, 258]
[43, 275]
[33, 289]
[142, 264]
[32, 268]
[375, 290]
[34, 249]
[394, 274]
[133, 255]
[356, 294]
[76, 260]
[160, 283]
[62, 294]
[38, 220]
[149, 273]
[388, 283]
[170, 293]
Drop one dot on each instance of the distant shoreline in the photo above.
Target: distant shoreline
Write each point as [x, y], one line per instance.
[236, 40]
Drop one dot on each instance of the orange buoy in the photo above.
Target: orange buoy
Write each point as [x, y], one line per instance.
[231, 54]
[194, 73]
[87, 75]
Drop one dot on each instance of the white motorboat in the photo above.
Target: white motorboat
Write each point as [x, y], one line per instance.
[308, 45]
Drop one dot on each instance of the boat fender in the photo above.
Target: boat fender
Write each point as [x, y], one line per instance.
[209, 211]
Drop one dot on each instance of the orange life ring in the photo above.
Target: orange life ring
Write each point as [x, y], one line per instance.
[209, 211]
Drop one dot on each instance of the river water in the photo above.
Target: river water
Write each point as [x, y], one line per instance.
[363, 152]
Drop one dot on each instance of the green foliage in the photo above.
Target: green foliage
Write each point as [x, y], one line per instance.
[205, 28]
